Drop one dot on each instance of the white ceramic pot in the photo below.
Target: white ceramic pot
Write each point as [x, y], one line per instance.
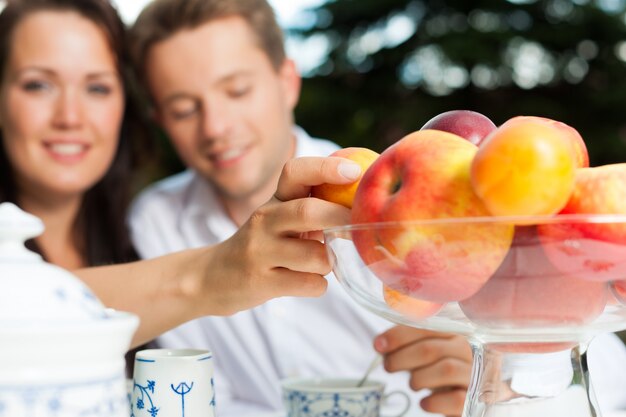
[61, 351]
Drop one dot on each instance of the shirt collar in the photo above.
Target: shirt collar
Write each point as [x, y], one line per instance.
[203, 207]
[305, 145]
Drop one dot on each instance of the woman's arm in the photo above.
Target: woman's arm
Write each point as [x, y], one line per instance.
[267, 258]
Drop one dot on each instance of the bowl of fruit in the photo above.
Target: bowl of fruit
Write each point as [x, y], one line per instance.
[503, 234]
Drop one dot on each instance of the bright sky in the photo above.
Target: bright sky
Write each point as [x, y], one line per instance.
[286, 10]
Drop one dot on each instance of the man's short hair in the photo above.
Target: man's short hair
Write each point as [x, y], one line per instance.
[163, 18]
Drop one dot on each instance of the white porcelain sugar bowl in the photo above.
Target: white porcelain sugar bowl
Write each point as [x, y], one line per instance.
[61, 351]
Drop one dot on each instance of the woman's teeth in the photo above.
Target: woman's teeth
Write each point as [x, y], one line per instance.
[67, 148]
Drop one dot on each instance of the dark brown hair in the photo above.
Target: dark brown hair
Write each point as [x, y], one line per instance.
[101, 222]
[163, 18]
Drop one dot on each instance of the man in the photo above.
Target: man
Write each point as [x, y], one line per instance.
[224, 92]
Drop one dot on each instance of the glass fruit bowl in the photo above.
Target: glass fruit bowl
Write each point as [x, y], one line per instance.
[529, 293]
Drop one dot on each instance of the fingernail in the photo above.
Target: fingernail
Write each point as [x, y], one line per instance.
[350, 170]
[380, 343]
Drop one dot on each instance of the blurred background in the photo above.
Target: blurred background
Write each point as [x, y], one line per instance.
[376, 70]
[387, 67]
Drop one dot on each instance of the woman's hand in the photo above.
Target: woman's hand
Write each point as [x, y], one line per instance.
[278, 251]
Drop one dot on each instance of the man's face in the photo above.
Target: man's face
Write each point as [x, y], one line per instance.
[227, 110]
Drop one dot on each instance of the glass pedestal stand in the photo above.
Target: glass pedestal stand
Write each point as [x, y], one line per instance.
[507, 383]
[537, 300]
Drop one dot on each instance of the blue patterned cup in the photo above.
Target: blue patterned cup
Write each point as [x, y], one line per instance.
[173, 383]
[328, 397]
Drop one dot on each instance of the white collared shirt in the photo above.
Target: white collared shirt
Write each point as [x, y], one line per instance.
[285, 337]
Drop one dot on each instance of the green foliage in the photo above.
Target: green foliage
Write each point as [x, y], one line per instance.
[552, 58]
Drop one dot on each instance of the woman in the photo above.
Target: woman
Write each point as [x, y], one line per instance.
[67, 151]
[67, 158]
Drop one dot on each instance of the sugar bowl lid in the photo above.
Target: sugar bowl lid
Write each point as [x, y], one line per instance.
[34, 291]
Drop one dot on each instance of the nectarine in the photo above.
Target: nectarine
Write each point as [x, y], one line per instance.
[468, 124]
[344, 193]
[576, 141]
[525, 167]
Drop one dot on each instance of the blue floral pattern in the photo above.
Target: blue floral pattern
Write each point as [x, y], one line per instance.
[146, 392]
[182, 389]
[95, 398]
[213, 398]
[332, 404]
[172, 391]
[80, 297]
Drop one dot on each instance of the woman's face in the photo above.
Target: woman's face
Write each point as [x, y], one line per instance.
[61, 104]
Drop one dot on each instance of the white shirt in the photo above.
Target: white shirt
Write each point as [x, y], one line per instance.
[327, 336]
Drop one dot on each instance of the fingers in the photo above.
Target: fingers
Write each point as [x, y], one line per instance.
[446, 373]
[300, 174]
[446, 402]
[284, 282]
[304, 255]
[273, 262]
[261, 267]
[427, 352]
[302, 215]
[438, 361]
[399, 336]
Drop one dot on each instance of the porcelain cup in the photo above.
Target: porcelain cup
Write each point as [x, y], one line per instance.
[173, 383]
[321, 397]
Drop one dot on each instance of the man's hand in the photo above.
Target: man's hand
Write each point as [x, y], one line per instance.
[439, 362]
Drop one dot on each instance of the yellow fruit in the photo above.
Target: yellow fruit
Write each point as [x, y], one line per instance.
[344, 193]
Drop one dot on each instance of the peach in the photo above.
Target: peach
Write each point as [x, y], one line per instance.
[525, 167]
[576, 141]
[410, 307]
[528, 291]
[425, 176]
[592, 250]
[344, 193]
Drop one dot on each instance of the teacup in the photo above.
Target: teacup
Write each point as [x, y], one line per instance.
[173, 383]
[317, 397]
